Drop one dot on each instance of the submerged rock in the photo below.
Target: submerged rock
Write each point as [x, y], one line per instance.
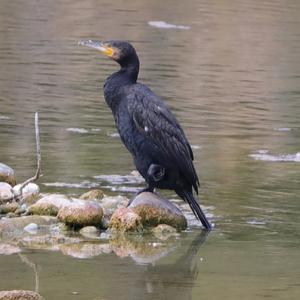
[7, 174]
[81, 213]
[12, 228]
[155, 210]
[6, 192]
[93, 195]
[31, 228]
[85, 250]
[29, 193]
[90, 232]
[20, 295]
[49, 205]
[125, 220]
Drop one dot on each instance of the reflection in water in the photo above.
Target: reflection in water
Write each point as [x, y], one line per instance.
[175, 280]
[148, 267]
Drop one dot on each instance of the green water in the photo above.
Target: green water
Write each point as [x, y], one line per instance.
[233, 81]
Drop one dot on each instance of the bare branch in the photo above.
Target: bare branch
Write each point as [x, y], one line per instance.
[18, 195]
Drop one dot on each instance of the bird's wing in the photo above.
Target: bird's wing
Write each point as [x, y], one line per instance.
[155, 121]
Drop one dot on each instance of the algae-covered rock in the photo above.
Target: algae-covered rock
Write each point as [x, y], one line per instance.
[155, 210]
[7, 174]
[20, 295]
[93, 195]
[8, 207]
[112, 203]
[49, 205]
[6, 192]
[81, 213]
[125, 220]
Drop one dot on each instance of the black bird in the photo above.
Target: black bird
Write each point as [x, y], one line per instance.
[151, 133]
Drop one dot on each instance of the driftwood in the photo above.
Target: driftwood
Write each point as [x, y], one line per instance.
[18, 193]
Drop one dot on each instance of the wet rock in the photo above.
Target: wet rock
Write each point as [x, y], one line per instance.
[29, 193]
[21, 209]
[49, 205]
[20, 295]
[31, 228]
[8, 249]
[81, 213]
[109, 205]
[164, 231]
[6, 192]
[7, 174]
[85, 250]
[8, 207]
[125, 220]
[93, 195]
[155, 210]
[12, 228]
[90, 232]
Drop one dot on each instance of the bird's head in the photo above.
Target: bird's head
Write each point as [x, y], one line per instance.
[120, 51]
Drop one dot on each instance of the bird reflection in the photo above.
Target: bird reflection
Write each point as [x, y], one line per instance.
[170, 275]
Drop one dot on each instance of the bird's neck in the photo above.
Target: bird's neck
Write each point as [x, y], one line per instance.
[127, 75]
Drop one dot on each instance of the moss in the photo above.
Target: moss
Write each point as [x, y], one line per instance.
[125, 220]
[153, 216]
[45, 209]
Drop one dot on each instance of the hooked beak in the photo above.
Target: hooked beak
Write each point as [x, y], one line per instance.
[105, 49]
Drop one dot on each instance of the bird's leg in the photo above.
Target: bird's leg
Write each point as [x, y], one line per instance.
[156, 172]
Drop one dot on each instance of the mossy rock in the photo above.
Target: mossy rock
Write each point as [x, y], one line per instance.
[125, 220]
[155, 210]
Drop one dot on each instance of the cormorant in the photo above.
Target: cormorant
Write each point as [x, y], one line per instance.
[148, 129]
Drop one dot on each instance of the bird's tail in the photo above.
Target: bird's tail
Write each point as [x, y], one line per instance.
[194, 205]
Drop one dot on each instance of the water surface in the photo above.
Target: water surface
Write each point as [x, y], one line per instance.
[232, 78]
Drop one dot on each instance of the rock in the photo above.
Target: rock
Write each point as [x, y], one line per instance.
[20, 295]
[163, 231]
[8, 249]
[155, 210]
[93, 195]
[7, 174]
[125, 220]
[30, 192]
[31, 228]
[81, 213]
[90, 232]
[48, 241]
[6, 192]
[49, 205]
[85, 250]
[109, 205]
[11, 228]
[8, 207]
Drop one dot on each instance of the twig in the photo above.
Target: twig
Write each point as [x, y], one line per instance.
[38, 156]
